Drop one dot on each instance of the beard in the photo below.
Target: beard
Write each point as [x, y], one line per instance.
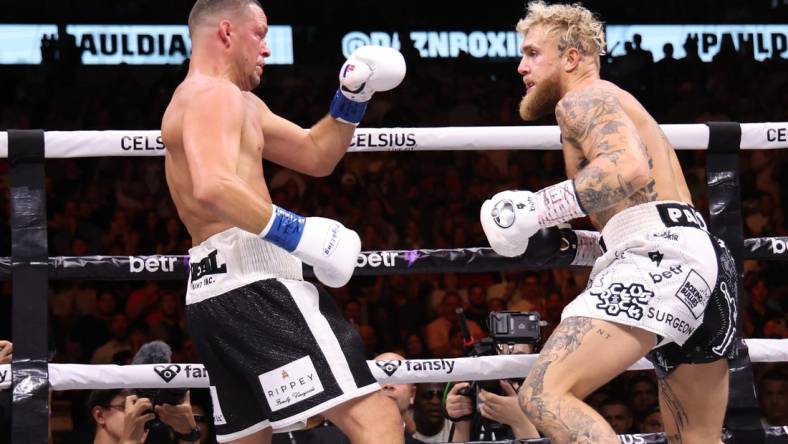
[541, 100]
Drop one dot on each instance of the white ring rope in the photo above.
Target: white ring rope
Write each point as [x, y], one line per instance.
[90, 377]
[64, 144]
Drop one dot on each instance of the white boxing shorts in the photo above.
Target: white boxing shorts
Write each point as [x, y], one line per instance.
[663, 272]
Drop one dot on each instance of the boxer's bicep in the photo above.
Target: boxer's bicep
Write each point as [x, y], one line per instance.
[286, 143]
[594, 121]
[212, 134]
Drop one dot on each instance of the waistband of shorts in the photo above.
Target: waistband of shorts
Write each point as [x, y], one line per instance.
[634, 221]
[246, 254]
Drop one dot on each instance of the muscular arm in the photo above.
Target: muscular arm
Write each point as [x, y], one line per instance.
[315, 152]
[212, 144]
[593, 120]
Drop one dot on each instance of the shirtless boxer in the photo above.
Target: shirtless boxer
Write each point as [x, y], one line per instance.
[664, 287]
[277, 349]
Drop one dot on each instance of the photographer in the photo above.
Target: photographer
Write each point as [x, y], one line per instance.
[121, 418]
[502, 409]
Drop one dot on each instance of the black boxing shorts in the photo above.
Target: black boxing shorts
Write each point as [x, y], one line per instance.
[276, 348]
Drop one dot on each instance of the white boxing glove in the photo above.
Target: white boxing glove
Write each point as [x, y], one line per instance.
[325, 244]
[368, 69]
[509, 219]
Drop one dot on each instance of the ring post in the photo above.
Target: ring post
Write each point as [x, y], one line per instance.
[30, 272]
[742, 416]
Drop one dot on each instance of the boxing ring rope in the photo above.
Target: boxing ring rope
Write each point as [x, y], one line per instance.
[67, 144]
[369, 263]
[31, 268]
[407, 371]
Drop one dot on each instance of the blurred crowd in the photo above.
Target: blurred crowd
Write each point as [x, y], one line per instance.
[114, 206]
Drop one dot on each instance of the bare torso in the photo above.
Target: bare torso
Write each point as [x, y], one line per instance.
[201, 221]
[667, 180]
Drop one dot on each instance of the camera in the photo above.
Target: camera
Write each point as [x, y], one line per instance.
[506, 328]
[514, 327]
[172, 396]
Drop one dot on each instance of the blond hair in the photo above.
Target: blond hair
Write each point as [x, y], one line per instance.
[574, 25]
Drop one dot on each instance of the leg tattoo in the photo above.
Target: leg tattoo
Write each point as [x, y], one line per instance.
[676, 409]
[562, 417]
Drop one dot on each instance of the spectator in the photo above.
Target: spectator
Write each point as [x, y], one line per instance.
[428, 413]
[404, 395]
[651, 422]
[6, 351]
[501, 408]
[773, 397]
[119, 342]
[93, 329]
[618, 414]
[642, 394]
[477, 305]
[120, 418]
[437, 331]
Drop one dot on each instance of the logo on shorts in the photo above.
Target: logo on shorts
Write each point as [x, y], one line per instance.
[694, 293]
[290, 383]
[167, 372]
[665, 275]
[671, 320]
[680, 215]
[656, 257]
[389, 367]
[669, 235]
[207, 266]
[627, 299]
[4, 375]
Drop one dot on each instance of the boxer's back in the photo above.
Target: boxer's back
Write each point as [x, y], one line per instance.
[182, 139]
[667, 180]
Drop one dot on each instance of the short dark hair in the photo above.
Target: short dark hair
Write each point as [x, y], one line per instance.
[616, 401]
[641, 378]
[206, 8]
[773, 375]
[101, 398]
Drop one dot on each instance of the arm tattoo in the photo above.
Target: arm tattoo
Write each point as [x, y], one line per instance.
[593, 120]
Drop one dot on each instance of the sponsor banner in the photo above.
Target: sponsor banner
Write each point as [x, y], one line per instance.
[456, 138]
[64, 144]
[369, 263]
[441, 44]
[131, 44]
[759, 40]
[764, 135]
[100, 377]
[766, 248]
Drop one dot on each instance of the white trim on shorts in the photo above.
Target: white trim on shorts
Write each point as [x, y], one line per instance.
[307, 300]
[262, 425]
